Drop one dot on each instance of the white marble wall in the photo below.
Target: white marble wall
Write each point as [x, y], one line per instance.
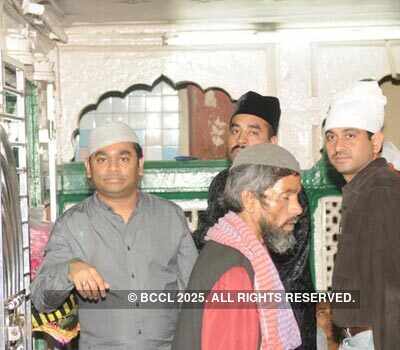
[302, 70]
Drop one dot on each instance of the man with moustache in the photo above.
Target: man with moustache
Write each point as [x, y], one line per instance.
[110, 244]
[261, 196]
[369, 244]
[256, 121]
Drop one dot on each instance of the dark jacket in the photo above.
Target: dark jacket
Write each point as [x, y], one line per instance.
[293, 268]
[368, 253]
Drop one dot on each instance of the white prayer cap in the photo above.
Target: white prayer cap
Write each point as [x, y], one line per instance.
[109, 134]
[391, 153]
[361, 106]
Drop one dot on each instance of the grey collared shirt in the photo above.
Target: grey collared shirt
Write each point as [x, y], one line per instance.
[153, 251]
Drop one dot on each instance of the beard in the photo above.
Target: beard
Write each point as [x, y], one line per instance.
[276, 239]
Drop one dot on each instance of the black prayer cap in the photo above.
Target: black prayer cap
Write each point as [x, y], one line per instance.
[264, 107]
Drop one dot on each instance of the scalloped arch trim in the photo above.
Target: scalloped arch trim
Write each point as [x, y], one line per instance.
[162, 78]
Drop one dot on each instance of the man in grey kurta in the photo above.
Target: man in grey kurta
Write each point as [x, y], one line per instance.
[150, 249]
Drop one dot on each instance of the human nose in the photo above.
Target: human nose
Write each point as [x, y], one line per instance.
[296, 208]
[113, 164]
[242, 138]
[340, 144]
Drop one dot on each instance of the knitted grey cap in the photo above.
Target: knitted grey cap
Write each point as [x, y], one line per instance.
[111, 133]
[266, 154]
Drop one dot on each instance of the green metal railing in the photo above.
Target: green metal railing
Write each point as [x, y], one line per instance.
[32, 129]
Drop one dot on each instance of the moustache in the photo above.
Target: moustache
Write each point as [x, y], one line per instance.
[293, 221]
[340, 155]
[107, 178]
[236, 147]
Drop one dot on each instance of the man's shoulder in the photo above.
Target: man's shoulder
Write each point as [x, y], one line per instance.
[215, 253]
[221, 176]
[218, 183]
[384, 177]
[157, 203]
[76, 210]
[214, 260]
[383, 185]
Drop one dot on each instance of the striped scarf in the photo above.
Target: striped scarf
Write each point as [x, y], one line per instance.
[279, 329]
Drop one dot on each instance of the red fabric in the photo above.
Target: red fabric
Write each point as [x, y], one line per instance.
[39, 235]
[229, 328]
[279, 328]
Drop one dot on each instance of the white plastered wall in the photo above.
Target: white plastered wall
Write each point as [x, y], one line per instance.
[303, 68]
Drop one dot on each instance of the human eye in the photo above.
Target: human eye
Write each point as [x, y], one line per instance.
[285, 196]
[254, 132]
[234, 130]
[125, 159]
[350, 135]
[329, 137]
[100, 159]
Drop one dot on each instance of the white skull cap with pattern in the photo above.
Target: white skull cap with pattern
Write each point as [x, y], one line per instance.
[361, 106]
[109, 134]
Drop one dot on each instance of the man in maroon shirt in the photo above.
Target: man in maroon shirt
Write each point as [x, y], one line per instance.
[368, 248]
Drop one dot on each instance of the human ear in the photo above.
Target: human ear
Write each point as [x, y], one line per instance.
[274, 140]
[377, 142]
[87, 166]
[141, 166]
[248, 200]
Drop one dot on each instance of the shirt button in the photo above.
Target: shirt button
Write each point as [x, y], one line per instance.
[128, 247]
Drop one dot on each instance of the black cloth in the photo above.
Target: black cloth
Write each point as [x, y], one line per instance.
[368, 253]
[293, 268]
[214, 260]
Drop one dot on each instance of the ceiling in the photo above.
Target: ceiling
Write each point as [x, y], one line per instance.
[280, 12]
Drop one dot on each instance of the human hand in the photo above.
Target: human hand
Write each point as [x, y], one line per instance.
[87, 281]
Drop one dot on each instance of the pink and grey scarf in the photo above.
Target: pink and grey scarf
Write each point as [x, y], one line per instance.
[279, 328]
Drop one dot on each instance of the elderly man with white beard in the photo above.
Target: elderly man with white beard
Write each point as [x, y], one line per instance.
[261, 195]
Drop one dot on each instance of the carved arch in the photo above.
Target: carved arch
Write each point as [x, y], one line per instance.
[162, 78]
[207, 124]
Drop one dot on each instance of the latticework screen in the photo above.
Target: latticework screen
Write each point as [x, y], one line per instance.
[327, 229]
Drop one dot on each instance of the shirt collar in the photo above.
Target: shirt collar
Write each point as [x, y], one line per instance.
[356, 183]
[100, 204]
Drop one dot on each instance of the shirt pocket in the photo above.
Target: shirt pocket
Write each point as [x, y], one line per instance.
[162, 275]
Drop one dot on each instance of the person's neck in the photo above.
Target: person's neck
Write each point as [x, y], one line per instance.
[350, 177]
[254, 226]
[123, 206]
